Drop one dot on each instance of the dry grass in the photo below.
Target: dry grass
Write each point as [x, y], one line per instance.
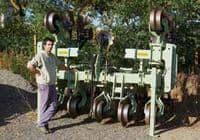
[15, 63]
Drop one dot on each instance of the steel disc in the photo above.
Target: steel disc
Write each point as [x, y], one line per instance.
[152, 19]
[156, 17]
[147, 114]
[125, 114]
[72, 106]
[119, 112]
[45, 19]
[158, 20]
[99, 110]
[50, 22]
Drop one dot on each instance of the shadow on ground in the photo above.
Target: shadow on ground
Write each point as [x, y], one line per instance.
[14, 102]
[85, 121]
[183, 115]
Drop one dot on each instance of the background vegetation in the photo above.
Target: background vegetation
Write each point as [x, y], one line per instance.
[127, 19]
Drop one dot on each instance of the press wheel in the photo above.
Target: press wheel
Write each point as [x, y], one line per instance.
[123, 113]
[119, 112]
[99, 110]
[147, 113]
[72, 106]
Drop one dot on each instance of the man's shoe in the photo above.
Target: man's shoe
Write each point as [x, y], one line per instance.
[45, 129]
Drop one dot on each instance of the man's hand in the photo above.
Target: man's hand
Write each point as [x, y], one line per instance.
[32, 69]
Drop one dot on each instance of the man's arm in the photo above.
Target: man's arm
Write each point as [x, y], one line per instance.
[32, 69]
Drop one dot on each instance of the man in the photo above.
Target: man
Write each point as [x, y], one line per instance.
[44, 65]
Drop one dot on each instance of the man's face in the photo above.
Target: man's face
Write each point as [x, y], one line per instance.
[48, 46]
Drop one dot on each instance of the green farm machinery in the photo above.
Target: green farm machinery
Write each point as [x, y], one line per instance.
[156, 73]
[93, 88]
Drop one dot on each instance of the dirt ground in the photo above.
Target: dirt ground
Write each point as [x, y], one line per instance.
[18, 120]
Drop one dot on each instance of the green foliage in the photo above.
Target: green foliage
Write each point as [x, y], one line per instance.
[126, 19]
[19, 67]
[135, 34]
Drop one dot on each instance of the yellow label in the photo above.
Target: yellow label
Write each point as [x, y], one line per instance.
[142, 54]
[62, 52]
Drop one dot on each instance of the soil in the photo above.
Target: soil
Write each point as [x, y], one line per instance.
[18, 120]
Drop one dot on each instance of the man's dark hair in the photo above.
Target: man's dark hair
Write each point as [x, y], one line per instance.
[47, 39]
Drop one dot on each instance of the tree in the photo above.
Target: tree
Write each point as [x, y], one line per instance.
[126, 19]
